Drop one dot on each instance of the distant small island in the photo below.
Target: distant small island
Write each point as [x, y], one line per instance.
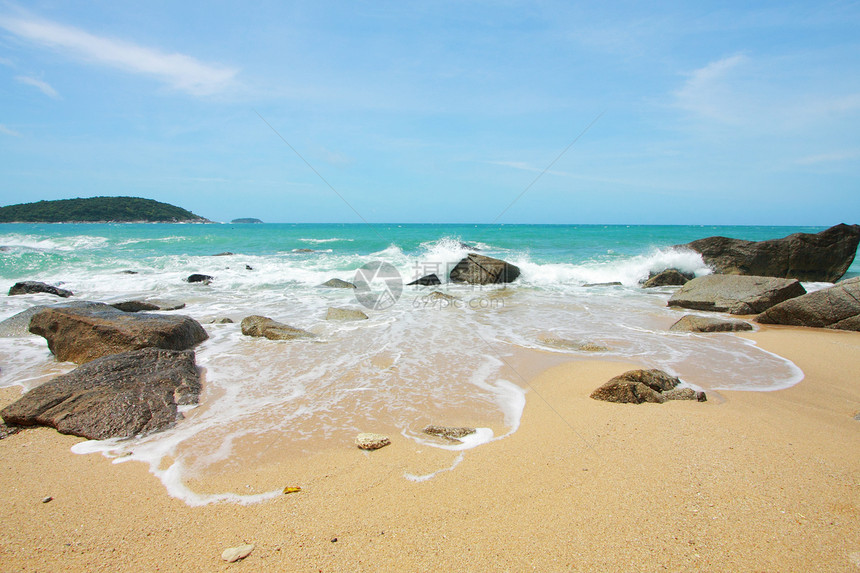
[98, 210]
[246, 220]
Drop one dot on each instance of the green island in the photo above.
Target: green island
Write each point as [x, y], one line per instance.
[246, 220]
[98, 210]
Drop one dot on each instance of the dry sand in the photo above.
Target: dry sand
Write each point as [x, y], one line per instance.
[744, 482]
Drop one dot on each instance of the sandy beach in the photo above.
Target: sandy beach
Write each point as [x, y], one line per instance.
[748, 481]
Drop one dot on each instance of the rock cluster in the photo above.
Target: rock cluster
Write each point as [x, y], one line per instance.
[638, 386]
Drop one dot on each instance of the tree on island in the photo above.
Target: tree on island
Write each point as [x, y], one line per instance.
[98, 209]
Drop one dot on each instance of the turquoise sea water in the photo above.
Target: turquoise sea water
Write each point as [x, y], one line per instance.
[416, 362]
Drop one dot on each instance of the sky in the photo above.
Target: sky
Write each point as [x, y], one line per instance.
[712, 113]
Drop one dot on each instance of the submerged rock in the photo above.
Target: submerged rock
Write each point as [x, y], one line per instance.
[198, 278]
[345, 314]
[836, 307]
[820, 257]
[481, 270]
[669, 277]
[262, 326]
[451, 433]
[370, 441]
[33, 287]
[116, 396]
[565, 344]
[144, 305]
[84, 333]
[735, 294]
[693, 323]
[337, 283]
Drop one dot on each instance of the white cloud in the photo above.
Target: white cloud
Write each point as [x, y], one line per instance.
[6, 131]
[179, 71]
[709, 90]
[42, 86]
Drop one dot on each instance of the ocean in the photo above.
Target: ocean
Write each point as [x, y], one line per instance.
[417, 360]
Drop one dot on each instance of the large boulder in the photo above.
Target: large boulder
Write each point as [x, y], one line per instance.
[81, 334]
[32, 287]
[836, 307]
[480, 270]
[822, 257]
[265, 327]
[735, 294]
[694, 323]
[117, 396]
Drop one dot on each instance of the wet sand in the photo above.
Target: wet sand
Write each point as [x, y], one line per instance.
[747, 481]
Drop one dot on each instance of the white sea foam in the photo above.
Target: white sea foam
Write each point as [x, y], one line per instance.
[331, 240]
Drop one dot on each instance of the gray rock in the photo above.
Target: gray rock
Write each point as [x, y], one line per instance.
[669, 277]
[693, 323]
[150, 304]
[81, 334]
[735, 294]
[369, 441]
[835, 307]
[821, 257]
[636, 387]
[337, 283]
[117, 396]
[345, 314]
[428, 280]
[480, 270]
[32, 287]
[262, 326]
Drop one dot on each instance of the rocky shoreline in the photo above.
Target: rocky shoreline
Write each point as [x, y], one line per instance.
[144, 347]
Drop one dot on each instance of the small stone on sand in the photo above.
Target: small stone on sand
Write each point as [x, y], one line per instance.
[233, 554]
[369, 441]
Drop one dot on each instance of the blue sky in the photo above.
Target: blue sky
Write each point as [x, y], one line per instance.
[721, 113]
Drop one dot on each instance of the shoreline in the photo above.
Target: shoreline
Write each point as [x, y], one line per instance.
[746, 481]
